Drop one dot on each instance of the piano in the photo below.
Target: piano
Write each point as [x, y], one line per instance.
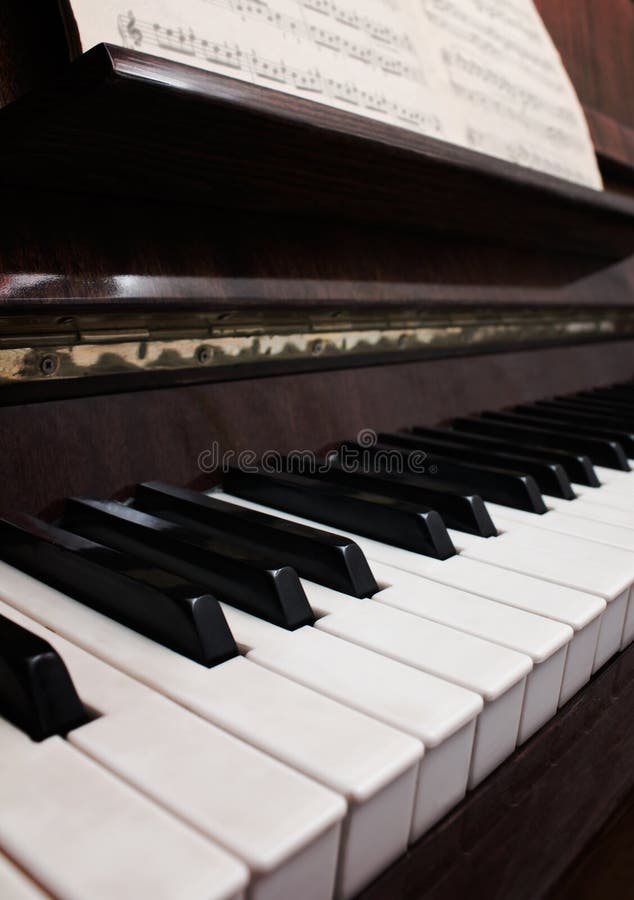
[317, 496]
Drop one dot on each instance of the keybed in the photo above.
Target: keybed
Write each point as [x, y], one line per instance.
[401, 630]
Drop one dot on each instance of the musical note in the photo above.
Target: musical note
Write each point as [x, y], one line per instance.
[175, 40]
[325, 38]
[269, 70]
[222, 54]
[309, 81]
[132, 31]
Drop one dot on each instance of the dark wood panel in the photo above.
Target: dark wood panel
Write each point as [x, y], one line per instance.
[595, 39]
[100, 445]
[32, 46]
[614, 142]
[605, 868]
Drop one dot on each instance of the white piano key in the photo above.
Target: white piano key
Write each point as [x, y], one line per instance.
[580, 563]
[83, 833]
[353, 754]
[468, 661]
[16, 885]
[611, 476]
[377, 768]
[607, 499]
[452, 654]
[543, 640]
[581, 610]
[381, 806]
[283, 826]
[618, 496]
[431, 709]
[571, 562]
[603, 508]
[619, 491]
[589, 529]
[628, 625]
[608, 537]
[280, 823]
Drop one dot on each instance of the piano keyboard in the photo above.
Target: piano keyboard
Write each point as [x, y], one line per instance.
[272, 689]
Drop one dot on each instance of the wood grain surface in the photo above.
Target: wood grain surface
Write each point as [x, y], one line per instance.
[595, 40]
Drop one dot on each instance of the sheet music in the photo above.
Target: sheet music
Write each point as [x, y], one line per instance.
[511, 94]
[479, 73]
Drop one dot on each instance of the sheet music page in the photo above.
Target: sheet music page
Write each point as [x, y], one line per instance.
[479, 73]
[507, 85]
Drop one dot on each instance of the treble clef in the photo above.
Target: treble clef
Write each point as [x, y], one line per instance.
[132, 30]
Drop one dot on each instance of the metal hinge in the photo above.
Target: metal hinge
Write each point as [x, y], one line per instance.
[52, 347]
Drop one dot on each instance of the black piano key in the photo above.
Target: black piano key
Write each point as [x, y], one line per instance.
[582, 407]
[619, 406]
[154, 602]
[36, 692]
[618, 423]
[507, 488]
[522, 437]
[625, 391]
[329, 559]
[579, 469]
[623, 398]
[393, 522]
[259, 587]
[602, 452]
[463, 512]
[562, 420]
[550, 477]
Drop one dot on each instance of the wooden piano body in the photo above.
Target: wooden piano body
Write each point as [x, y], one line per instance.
[188, 259]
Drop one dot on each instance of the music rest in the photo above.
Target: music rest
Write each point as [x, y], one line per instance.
[132, 125]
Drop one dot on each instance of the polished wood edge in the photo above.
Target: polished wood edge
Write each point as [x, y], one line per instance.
[241, 146]
[518, 832]
[76, 294]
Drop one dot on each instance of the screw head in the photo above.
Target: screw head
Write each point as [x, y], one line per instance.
[48, 364]
[318, 346]
[203, 354]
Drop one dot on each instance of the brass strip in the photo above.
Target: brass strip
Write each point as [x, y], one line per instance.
[49, 348]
